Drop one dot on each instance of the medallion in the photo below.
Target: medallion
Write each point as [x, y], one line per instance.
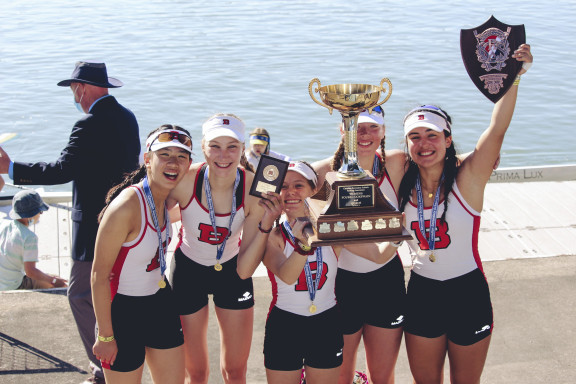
[218, 267]
[162, 283]
[432, 258]
[271, 172]
[312, 308]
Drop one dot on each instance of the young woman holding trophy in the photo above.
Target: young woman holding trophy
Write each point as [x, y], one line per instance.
[448, 303]
[303, 326]
[223, 237]
[376, 319]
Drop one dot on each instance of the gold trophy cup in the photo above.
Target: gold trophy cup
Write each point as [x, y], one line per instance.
[351, 207]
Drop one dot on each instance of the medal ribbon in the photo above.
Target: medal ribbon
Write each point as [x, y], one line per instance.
[208, 191]
[152, 206]
[431, 239]
[311, 283]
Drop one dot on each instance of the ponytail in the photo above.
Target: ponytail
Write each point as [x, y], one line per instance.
[132, 178]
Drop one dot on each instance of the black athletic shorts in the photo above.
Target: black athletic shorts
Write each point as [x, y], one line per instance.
[143, 321]
[292, 341]
[193, 283]
[459, 308]
[375, 298]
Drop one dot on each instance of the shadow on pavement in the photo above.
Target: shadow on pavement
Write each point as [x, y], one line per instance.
[17, 357]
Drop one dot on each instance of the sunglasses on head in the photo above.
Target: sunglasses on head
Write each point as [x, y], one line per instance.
[165, 137]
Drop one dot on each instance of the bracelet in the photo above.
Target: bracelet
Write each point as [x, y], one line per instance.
[106, 339]
[516, 81]
[397, 243]
[526, 65]
[264, 230]
[54, 280]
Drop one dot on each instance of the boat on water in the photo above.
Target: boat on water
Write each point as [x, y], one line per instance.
[528, 212]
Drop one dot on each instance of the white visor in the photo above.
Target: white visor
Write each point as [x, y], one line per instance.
[425, 119]
[304, 170]
[222, 125]
[374, 118]
[152, 144]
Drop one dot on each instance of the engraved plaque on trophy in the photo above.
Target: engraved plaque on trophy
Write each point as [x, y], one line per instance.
[352, 208]
[269, 175]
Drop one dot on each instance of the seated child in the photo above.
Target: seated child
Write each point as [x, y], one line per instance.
[19, 246]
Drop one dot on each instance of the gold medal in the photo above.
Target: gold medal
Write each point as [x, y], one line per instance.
[218, 267]
[312, 308]
[162, 283]
[432, 258]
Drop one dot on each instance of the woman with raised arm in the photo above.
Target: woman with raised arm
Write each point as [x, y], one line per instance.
[135, 309]
[448, 308]
[223, 237]
[375, 318]
[303, 327]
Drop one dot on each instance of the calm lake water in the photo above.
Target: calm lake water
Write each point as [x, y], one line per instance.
[182, 61]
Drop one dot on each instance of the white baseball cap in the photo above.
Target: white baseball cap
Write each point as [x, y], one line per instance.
[428, 117]
[223, 125]
[304, 170]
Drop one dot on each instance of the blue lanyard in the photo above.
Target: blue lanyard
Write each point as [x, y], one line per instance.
[311, 283]
[152, 206]
[376, 165]
[431, 239]
[208, 191]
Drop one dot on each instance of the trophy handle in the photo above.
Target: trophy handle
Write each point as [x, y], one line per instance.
[387, 81]
[316, 80]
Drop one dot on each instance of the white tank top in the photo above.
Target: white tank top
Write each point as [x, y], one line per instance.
[137, 267]
[354, 263]
[295, 298]
[198, 241]
[456, 248]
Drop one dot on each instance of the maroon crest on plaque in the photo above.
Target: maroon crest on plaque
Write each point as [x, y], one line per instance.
[487, 54]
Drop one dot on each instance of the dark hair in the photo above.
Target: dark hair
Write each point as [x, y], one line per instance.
[450, 172]
[137, 175]
[339, 154]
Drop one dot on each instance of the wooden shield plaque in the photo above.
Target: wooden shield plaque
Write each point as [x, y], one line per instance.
[487, 54]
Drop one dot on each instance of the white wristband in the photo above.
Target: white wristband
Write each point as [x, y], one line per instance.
[526, 65]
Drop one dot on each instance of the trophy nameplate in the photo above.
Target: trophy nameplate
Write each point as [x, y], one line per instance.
[351, 208]
[269, 176]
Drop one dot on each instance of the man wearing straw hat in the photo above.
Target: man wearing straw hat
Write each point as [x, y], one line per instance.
[103, 146]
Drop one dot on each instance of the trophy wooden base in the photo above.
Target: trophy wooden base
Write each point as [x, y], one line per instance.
[353, 211]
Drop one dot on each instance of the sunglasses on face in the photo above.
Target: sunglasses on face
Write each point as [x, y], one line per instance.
[165, 137]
